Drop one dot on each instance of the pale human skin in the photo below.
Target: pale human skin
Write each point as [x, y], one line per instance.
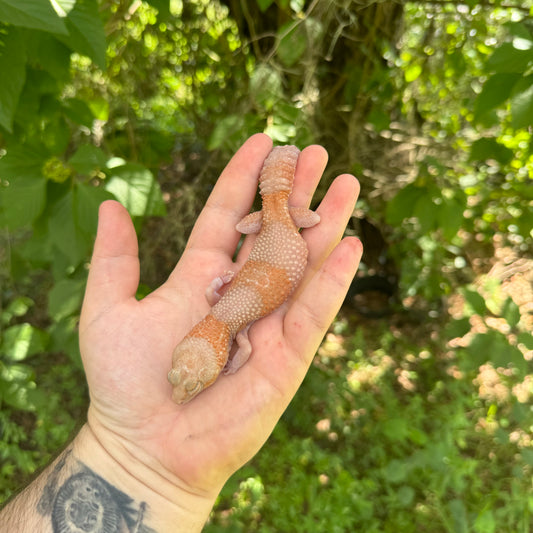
[173, 460]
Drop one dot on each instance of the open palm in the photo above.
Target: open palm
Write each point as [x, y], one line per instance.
[127, 344]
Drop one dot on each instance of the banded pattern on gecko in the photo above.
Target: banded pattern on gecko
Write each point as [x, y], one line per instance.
[272, 271]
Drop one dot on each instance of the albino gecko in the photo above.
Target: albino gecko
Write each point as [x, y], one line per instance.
[272, 271]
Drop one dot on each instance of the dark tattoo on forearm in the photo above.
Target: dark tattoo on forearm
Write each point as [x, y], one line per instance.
[86, 503]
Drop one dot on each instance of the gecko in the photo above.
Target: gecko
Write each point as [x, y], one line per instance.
[270, 274]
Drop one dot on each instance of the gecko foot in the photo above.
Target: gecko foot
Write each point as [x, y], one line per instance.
[211, 293]
[242, 354]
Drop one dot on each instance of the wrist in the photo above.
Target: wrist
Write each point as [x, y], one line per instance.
[135, 488]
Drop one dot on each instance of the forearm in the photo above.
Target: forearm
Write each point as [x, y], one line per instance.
[87, 489]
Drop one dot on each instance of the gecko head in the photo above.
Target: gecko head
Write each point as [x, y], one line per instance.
[193, 369]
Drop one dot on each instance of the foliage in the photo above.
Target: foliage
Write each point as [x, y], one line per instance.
[392, 435]
[420, 422]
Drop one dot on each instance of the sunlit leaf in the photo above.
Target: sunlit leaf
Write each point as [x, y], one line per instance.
[86, 31]
[22, 340]
[37, 14]
[135, 187]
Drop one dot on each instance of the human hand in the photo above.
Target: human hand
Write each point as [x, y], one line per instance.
[127, 344]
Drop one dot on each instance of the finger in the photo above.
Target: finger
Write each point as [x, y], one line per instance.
[114, 269]
[335, 211]
[309, 169]
[310, 315]
[231, 198]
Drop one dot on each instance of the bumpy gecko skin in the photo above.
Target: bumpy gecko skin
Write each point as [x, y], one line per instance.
[272, 271]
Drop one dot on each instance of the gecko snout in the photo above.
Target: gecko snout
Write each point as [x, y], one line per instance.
[190, 374]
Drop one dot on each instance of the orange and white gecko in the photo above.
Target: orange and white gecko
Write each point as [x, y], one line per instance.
[272, 271]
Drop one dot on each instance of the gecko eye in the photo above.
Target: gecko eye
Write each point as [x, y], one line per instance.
[186, 390]
[193, 387]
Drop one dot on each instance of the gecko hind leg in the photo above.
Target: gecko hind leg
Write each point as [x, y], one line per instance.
[242, 354]
[211, 293]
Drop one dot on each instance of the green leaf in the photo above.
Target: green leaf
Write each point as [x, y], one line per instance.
[457, 328]
[22, 340]
[224, 130]
[489, 148]
[64, 338]
[405, 495]
[22, 161]
[15, 383]
[50, 54]
[292, 42]
[508, 59]
[265, 86]
[162, 6]
[86, 31]
[520, 30]
[526, 339]
[64, 7]
[396, 471]
[22, 201]
[458, 513]
[401, 206]
[522, 104]
[87, 159]
[527, 456]
[295, 37]
[511, 312]
[396, 429]
[65, 234]
[87, 200]
[13, 69]
[135, 187]
[17, 307]
[494, 347]
[65, 298]
[379, 118]
[450, 216]
[496, 90]
[264, 4]
[78, 111]
[99, 108]
[35, 14]
[475, 301]
[426, 212]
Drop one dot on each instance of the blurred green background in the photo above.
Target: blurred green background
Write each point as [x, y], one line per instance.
[416, 415]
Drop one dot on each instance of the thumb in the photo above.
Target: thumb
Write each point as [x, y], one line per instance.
[114, 270]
